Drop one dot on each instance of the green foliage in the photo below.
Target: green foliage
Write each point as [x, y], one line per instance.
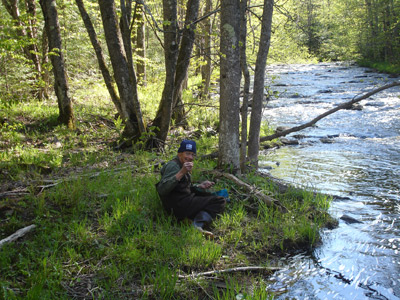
[104, 225]
[381, 66]
[108, 229]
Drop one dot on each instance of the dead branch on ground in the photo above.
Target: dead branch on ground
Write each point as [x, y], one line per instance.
[254, 191]
[19, 233]
[231, 270]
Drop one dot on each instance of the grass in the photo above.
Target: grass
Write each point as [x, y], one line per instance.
[101, 231]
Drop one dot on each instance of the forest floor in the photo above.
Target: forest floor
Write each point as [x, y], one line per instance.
[100, 230]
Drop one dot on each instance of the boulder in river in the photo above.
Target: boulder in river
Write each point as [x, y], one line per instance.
[326, 140]
[349, 220]
[355, 106]
[287, 141]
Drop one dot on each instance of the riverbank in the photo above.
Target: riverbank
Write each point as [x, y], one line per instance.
[100, 231]
[384, 67]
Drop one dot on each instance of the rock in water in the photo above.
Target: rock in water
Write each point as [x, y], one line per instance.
[349, 220]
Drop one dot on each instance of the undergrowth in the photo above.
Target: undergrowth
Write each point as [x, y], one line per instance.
[101, 232]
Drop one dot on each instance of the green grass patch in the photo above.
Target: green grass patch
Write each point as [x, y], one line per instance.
[101, 231]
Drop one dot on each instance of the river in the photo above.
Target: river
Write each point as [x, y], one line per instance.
[352, 154]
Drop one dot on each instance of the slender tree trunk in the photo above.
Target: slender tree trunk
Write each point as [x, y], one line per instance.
[246, 88]
[171, 47]
[228, 155]
[127, 91]
[185, 52]
[259, 82]
[126, 18]
[45, 61]
[206, 69]
[100, 56]
[52, 26]
[141, 45]
[372, 44]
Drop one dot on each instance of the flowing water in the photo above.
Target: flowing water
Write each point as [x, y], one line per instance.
[352, 154]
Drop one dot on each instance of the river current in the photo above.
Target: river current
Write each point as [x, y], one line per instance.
[351, 154]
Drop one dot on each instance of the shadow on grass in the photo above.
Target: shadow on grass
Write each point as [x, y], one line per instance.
[44, 125]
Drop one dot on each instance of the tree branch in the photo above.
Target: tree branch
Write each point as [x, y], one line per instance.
[231, 270]
[254, 191]
[19, 233]
[329, 112]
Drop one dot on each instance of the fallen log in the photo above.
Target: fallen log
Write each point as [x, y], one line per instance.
[19, 233]
[329, 112]
[254, 191]
[231, 270]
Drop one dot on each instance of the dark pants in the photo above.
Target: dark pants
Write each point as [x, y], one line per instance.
[190, 206]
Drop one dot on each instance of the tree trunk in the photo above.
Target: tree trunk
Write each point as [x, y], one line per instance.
[140, 50]
[126, 18]
[45, 61]
[206, 69]
[230, 86]
[372, 36]
[100, 56]
[246, 87]
[185, 52]
[134, 125]
[52, 26]
[259, 82]
[171, 47]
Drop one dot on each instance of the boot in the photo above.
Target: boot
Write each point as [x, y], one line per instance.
[201, 220]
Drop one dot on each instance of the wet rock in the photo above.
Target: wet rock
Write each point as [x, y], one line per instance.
[325, 91]
[327, 140]
[307, 102]
[299, 136]
[287, 141]
[355, 106]
[267, 168]
[375, 104]
[270, 145]
[350, 220]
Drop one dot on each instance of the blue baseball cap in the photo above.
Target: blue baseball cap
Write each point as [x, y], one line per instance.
[187, 145]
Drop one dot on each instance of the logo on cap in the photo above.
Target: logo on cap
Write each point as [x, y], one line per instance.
[189, 146]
